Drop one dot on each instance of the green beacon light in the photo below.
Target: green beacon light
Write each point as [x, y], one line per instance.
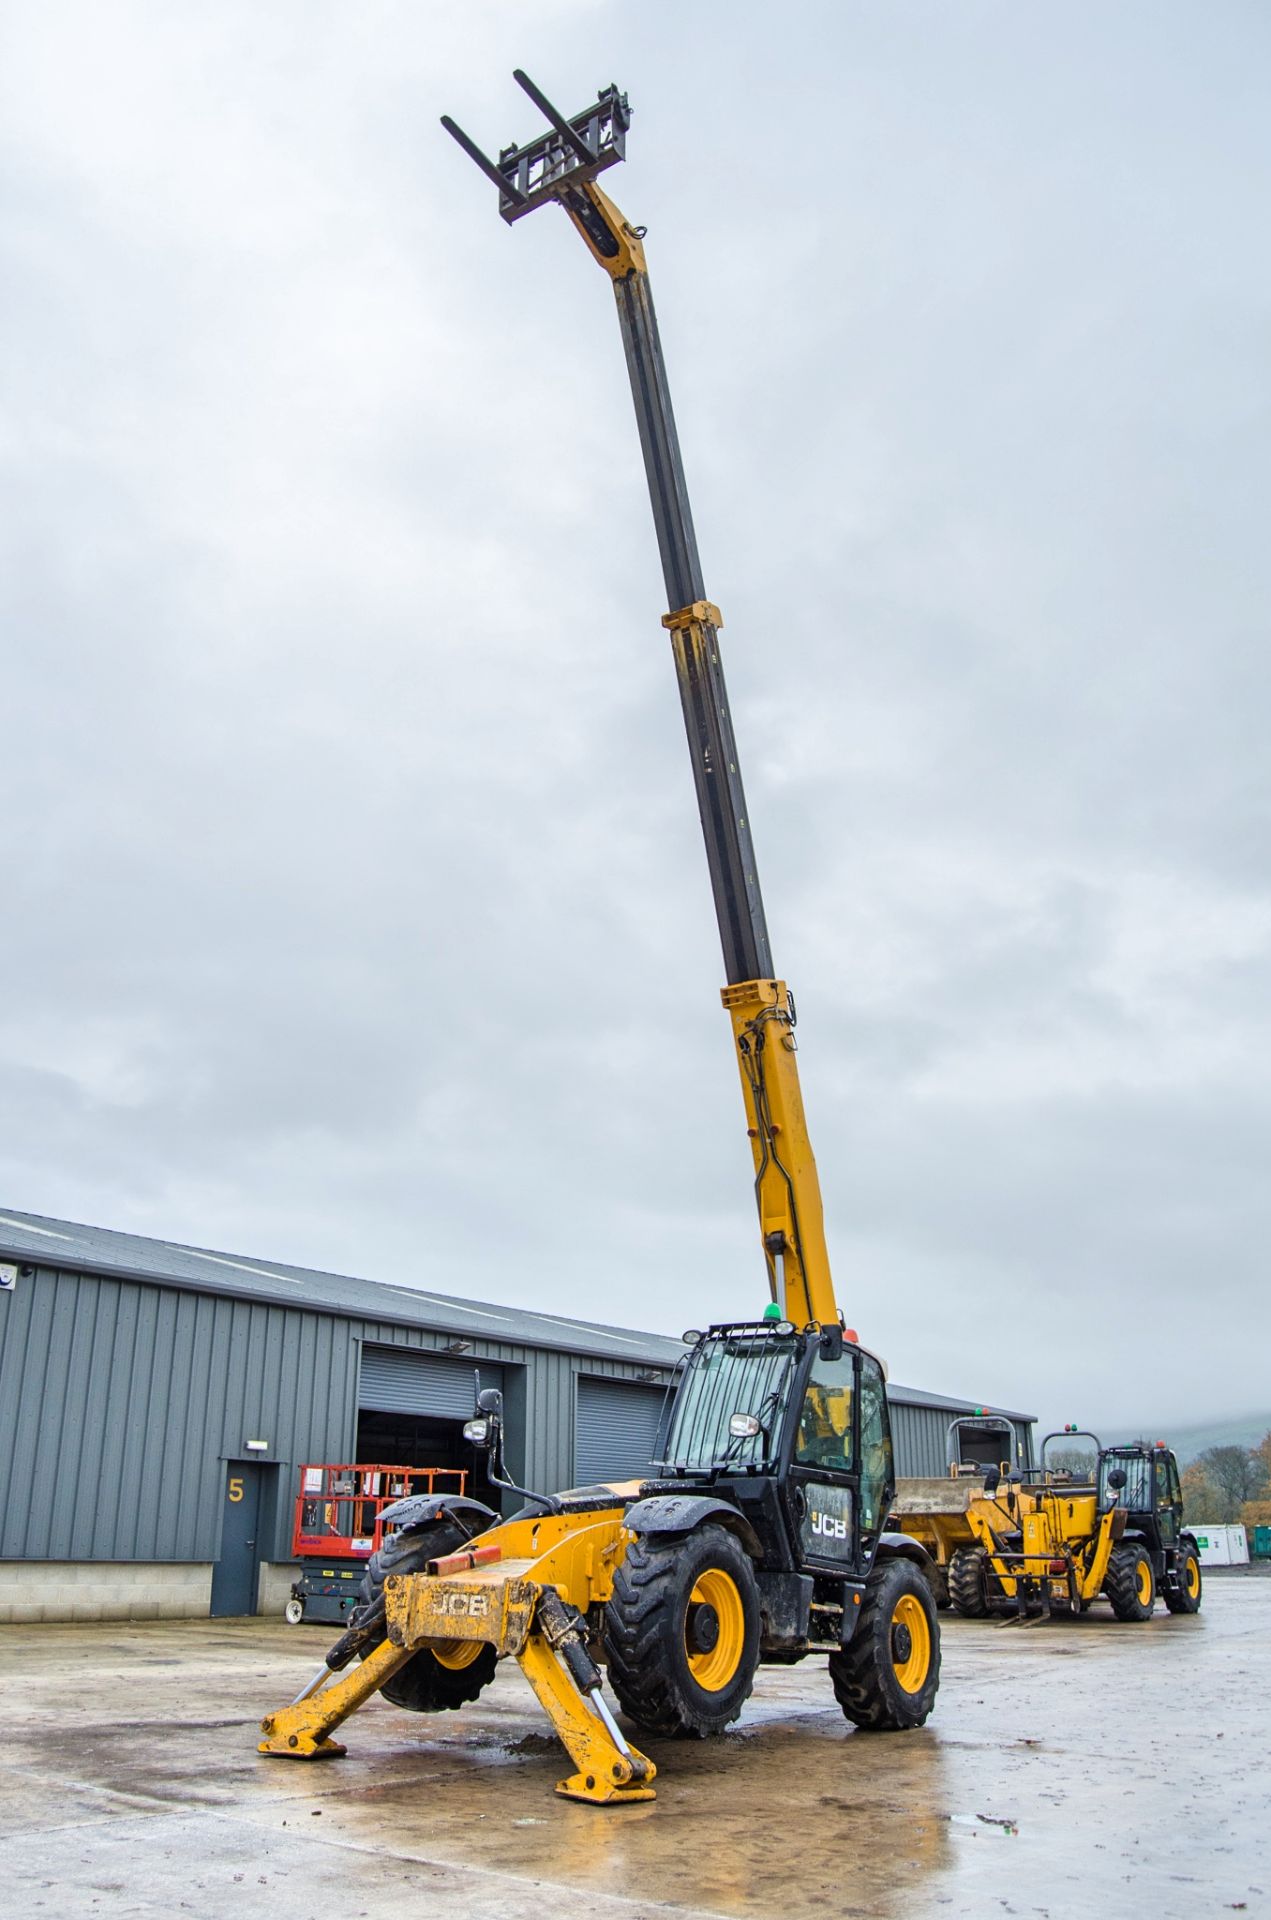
[772, 1311]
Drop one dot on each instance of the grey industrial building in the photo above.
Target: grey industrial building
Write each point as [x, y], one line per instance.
[145, 1384]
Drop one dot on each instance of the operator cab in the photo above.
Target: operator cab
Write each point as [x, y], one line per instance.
[792, 1425]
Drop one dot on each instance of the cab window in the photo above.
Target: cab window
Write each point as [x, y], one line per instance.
[824, 1438]
[877, 1476]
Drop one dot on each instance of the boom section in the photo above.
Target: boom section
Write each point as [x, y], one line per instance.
[562, 165]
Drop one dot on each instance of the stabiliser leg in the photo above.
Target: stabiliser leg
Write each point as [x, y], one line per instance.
[567, 1682]
[302, 1731]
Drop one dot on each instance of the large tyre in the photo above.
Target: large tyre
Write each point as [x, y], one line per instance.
[968, 1582]
[1129, 1583]
[431, 1682]
[1186, 1598]
[682, 1632]
[938, 1581]
[885, 1679]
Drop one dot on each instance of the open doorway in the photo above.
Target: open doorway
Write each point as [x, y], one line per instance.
[419, 1440]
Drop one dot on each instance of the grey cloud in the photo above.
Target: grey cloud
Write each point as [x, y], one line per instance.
[357, 912]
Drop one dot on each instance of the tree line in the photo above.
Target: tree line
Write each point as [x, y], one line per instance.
[1226, 1486]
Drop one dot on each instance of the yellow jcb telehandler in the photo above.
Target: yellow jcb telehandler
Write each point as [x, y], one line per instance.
[1106, 1522]
[760, 1535]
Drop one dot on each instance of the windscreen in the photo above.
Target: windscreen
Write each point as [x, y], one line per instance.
[1071, 1456]
[1136, 1494]
[731, 1372]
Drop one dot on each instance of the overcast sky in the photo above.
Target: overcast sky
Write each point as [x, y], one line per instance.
[355, 906]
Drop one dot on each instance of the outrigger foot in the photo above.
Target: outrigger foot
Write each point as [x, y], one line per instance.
[602, 1793]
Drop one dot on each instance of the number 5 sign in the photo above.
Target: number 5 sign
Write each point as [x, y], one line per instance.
[235, 1489]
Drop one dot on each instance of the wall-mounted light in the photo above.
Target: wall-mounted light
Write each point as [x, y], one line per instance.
[256, 1446]
[650, 1376]
[457, 1346]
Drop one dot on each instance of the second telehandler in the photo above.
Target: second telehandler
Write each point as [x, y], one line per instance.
[760, 1535]
[1057, 1539]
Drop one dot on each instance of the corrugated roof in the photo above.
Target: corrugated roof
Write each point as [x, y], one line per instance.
[35, 1239]
[915, 1397]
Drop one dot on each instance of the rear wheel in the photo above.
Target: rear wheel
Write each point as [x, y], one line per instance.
[682, 1632]
[885, 1679]
[440, 1677]
[1186, 1597]
[938, 1581]
[968, 1582]
[1130, 1584]
[294, 1611]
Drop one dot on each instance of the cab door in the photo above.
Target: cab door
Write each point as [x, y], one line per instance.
[840, 1482]
[823, 1479]
[1166, 1498]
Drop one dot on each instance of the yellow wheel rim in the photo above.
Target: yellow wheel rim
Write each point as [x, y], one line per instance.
[714, 1665]
[456, 1654]
[1191, 1576]
[1143, 1582]
[910, 1643]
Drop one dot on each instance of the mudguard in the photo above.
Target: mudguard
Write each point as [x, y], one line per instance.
[418, 1509]
[902, 1546]
[682, 1512]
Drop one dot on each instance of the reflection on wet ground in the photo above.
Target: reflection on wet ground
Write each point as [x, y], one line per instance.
[1068, 1768]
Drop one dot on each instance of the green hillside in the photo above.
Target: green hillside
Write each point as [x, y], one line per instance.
[1188, 1442]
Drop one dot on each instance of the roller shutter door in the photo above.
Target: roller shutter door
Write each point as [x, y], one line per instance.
[399, 1380]
[616, 1430]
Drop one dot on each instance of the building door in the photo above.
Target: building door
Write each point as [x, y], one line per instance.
[615, 1430]
[234, 1577]
[411, 1410]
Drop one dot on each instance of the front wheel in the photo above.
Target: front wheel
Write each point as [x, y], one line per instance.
[294, 1611]
[682, 1632]
[1185, 1598]
[1130, 1584]
[441, 1677]
[886, 1677]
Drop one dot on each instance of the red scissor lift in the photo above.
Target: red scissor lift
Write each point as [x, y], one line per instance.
[338, 1527]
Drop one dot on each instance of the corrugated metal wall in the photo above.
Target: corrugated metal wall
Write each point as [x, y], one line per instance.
[120, 1402]
[919, 1435]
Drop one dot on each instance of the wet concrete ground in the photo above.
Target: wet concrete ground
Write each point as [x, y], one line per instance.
[1085, 1768]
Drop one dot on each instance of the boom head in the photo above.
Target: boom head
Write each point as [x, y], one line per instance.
[567, 157]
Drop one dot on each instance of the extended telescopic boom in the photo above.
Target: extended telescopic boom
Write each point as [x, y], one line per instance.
[562, 165]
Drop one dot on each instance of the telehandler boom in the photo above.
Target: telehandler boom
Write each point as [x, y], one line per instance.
[562, 166]
[761, 1536]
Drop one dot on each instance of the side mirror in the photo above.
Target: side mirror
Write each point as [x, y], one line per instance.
[1116, 1479]
[992, 1480]
[832, 1343]
[484, 1428]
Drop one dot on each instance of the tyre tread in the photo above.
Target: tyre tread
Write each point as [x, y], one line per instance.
[423, 1685]
[862, 1675]
[968, 1572]
[1120, 1585]
[641, 1630]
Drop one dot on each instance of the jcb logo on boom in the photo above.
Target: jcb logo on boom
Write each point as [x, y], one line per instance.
[474, 1605]
[829, 1527]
